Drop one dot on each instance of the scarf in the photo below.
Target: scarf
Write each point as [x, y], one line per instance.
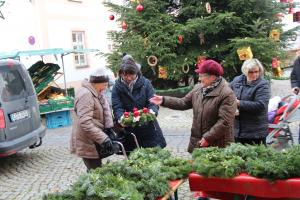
[107, 114]
[208, 89]
[131, 84]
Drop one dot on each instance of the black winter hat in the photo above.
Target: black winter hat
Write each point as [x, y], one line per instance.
[99, 79]
[129, 66]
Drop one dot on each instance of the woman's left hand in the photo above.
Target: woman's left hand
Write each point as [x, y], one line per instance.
[203, 143]
[238, 102]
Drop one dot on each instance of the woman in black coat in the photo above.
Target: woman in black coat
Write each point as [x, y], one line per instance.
[132, 90]
[253, 94]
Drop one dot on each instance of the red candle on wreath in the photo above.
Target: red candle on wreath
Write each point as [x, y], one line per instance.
[139, 8]
[145, 110]
[111, 17]
[136, 113]
[126, 114]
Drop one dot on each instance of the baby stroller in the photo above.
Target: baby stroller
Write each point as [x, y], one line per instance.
[280, 134]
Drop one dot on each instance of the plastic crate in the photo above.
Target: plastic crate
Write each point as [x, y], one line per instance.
[67, 102]
[43, 84]
[71, 92]
[35, 67]
[41, 69]
[58, 119]
[45, 108]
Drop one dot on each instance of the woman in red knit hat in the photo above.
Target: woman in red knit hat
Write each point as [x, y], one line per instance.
[213, 104]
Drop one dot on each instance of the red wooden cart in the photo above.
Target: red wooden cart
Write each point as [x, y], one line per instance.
[245, 187]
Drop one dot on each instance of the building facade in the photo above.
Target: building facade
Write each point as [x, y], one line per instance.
[67, 24]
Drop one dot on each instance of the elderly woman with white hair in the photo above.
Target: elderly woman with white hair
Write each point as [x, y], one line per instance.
[93, 123]
[253, 94]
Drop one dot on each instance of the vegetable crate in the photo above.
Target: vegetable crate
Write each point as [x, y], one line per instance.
[67, 102]
[42, 74]
[46, 108]
[58, 119]
[40, 86]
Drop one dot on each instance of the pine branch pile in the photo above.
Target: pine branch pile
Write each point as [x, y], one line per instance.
[144, 176]
[257, 161]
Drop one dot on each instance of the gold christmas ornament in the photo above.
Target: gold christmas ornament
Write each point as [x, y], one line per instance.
[245, 53]
[275, 34]
[152, 61]
[208, 7]
[162, 72]
[277, 71]
[202, 39]
[145, 41]
[185, 68]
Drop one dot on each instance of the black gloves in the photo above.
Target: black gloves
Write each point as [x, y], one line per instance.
[110, 133]
[107, 148]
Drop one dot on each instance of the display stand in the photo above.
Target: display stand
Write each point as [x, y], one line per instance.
[57, 75]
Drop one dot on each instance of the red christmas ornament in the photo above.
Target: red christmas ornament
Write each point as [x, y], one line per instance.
[180, 39]
[274, 63]
[124, 26]
[139, 8]
[135, 109]
[111, 17]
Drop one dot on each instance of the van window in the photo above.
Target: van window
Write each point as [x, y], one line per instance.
[12, 86]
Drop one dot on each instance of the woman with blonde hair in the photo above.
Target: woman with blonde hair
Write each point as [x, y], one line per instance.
[253, 94]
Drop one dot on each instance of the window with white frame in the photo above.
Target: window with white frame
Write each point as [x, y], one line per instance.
[79, 43]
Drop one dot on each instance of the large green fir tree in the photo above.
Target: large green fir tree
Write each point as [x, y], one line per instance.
[178, 32]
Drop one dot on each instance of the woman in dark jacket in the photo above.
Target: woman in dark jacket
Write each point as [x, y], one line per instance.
[253, 94]
[132, 90]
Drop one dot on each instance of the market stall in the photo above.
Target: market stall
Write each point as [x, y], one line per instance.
[55, 102]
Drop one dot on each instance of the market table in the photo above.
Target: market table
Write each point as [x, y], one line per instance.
[245, 185]
[174, 185]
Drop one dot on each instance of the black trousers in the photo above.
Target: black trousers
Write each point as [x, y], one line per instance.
[92, 163]
[250, 141]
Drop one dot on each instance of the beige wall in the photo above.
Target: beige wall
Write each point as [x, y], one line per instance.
[51, 22]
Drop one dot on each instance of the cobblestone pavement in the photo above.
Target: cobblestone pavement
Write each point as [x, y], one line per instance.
[33, 172]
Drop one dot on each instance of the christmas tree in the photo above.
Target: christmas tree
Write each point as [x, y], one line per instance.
[169, 38]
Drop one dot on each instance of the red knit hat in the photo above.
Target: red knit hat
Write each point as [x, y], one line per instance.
[210, 67]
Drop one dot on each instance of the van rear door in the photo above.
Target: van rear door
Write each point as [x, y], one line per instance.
[14, 102]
